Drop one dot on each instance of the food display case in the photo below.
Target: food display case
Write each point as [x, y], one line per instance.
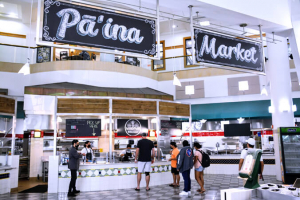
[290, 153]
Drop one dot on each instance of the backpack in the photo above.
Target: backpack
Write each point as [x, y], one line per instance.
[205, 159]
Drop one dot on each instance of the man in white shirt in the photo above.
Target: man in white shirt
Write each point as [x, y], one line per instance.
[250, 145]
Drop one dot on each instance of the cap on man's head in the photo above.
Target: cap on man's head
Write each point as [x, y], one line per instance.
[251, 141]
[144, 134]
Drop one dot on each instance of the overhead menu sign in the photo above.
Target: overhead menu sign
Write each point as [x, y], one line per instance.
[132, 127]
[83, 127]
[86, 26]
[228, 51]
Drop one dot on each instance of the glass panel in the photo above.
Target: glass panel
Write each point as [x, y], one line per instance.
[291, 145]
[158, 64]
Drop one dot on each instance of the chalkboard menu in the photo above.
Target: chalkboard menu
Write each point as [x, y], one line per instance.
[83, 127]
[132, 127]
[171, 128]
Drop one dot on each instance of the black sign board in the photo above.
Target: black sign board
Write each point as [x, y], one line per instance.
[86, 26]
[228, 51]
[171, 128]
[132, 127]
[83, 127]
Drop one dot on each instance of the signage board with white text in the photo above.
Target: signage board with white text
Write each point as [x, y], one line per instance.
[90, 26]
[224, 50]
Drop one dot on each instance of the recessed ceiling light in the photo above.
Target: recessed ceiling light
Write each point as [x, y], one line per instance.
[174, 26]
[1, 5]
[205, 23]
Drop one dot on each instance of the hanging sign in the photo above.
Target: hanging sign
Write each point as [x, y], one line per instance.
[83, 127]
[228, 51]
[86, 26]
[132, 127]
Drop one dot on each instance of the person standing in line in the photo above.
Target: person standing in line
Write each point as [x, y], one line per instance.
[173, 159]
[88, 151]
[198, 167]
[144, 158]
[185, 162]
[73, 166]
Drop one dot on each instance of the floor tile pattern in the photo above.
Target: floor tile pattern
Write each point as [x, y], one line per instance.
[213, 185]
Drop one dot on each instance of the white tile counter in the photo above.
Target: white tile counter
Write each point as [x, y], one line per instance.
[9, 174]
[95, 177]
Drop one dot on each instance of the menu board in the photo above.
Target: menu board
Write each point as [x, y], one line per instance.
[132, 127]
[83, 127]
[171, 128]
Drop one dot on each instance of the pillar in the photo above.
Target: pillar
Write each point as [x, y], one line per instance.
[281, 92]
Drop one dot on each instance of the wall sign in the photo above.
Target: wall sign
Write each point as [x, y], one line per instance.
[83, 127]
[132, 127]
[171, 128]
[86, 26]
[228, 51]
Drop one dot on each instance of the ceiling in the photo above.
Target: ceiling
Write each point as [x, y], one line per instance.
[179, 8]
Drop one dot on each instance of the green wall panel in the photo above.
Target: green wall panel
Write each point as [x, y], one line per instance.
[234, 110]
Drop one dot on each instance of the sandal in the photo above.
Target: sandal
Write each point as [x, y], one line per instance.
[172, 185]
[147, 189]
[177, 186]
[203, 191]
[137, 189]
[199, 190]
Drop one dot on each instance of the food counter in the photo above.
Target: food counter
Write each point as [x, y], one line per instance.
[9, 173]
[95, 177]
[229, 164]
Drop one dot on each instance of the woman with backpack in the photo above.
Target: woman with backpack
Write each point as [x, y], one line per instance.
[198, 167]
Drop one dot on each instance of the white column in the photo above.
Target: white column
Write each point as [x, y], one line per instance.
[110, 130]
[190, 124]
[281, 93]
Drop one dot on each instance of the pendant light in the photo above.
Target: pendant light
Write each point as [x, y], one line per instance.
[176, 81]
[26, 68]
[264, 91]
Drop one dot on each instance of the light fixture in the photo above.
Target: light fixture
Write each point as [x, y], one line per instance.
[264, 91]
[144, 117]
[25, 69]
[203, 121]
[205, 23]
[240, 120]
[294, 108]
[153, 121]
[1, 5]
[243, 85]
[174, 26]
[176, 81]
[59, 119]
[271, 109]
[189, 90]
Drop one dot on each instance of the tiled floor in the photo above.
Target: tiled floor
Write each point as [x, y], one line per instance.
[213, 184]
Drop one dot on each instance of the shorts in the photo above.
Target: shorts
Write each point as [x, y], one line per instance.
[199, 169]
[174, 171]
[144, 167]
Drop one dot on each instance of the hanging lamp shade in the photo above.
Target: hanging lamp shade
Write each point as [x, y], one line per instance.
[176, 81]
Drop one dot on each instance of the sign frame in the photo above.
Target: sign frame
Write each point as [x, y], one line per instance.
[228, 38]
[40, 18]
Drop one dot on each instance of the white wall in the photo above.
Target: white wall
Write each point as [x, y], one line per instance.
[15, 82]
[262, 9]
